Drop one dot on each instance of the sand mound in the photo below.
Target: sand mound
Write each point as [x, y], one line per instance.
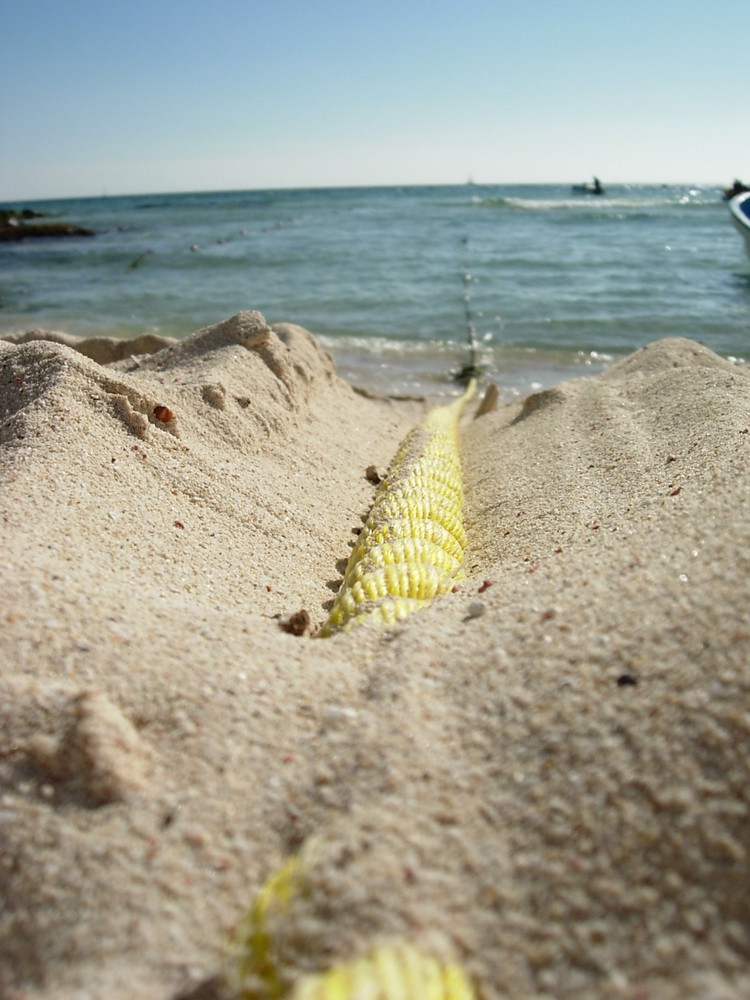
[103, 350]
[545, 773]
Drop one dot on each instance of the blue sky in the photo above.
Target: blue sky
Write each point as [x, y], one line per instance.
[153, 96]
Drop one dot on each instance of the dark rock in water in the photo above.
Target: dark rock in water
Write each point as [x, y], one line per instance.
[14, 227]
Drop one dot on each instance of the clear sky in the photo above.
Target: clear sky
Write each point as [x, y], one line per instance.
[138, 96]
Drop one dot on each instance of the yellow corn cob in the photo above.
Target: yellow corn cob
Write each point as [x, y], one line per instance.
[412, 545]
[407, 550]
[421, 507]
[396, 971]
[390, 972]
[252, 941]
[401, 528]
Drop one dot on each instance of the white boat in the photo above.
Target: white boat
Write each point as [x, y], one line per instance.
[739, 206]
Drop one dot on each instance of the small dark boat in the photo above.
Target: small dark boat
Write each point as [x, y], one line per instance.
[737, 188]
[739, 206]
[591, 187]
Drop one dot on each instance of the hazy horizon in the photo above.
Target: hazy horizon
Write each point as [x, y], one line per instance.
[333, 187]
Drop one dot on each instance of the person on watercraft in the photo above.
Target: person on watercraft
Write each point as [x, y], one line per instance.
[737, 188]
[598, 189]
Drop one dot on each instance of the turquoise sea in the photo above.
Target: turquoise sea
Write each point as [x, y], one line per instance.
[390, 279]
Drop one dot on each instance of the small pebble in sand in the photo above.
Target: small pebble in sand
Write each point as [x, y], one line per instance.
[626, 680]
[334, 715]
[163, 413]
[297, 623]
[476, 609]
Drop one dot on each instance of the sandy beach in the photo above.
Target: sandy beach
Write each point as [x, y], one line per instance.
[544, 776]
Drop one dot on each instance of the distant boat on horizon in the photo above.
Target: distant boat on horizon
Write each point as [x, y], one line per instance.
[737, 188]
[590, 187]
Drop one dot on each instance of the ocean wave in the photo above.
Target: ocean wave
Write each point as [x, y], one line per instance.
[679, 198]
[492, 201]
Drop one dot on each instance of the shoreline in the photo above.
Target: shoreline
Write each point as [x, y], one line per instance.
[385, 368]
[480, 778]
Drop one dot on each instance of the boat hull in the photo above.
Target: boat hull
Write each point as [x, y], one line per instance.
[739, 206]
[587, 189]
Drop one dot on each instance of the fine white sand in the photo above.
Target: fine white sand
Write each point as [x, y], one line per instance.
[546, 774]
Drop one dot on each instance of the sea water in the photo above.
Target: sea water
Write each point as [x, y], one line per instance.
[395, 281]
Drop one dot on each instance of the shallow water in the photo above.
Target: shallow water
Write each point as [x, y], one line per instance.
[389, 279]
